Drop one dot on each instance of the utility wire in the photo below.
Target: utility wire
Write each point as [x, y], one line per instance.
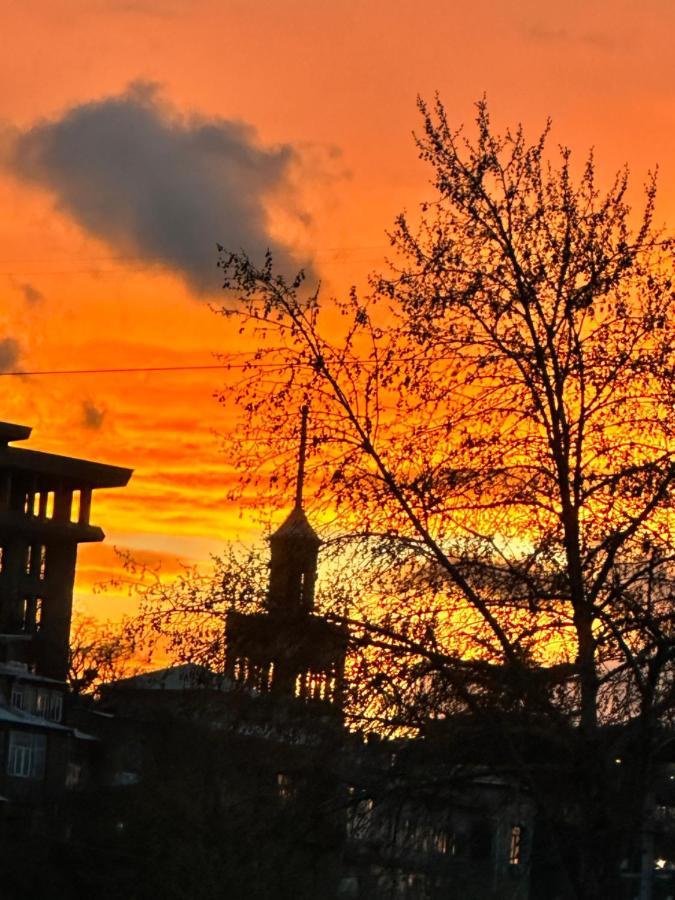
[137, 369]
[252, 364]
[257, 364]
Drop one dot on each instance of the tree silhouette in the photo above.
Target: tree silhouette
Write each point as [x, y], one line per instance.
[492, 436]
[98, 652]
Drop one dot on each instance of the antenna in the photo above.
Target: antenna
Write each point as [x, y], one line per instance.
[301, 457]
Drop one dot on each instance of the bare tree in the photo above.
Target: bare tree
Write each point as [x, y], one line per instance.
[182, 618]
[495, 423]
[99, 652]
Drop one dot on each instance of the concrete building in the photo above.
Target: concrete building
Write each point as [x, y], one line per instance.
[45, 509]
[45, 512]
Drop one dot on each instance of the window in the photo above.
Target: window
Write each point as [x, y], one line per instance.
[49, 505]
[49, 704]
[516, 845]
[29, 558]
[285, 787]
[26, 614]
[2, 558]
[31, 614]
[43, 562]
[444, 842]
[73, 775]
[75, 507]
[27, 754]
[42, 702]
[55, 708]
[18, 700]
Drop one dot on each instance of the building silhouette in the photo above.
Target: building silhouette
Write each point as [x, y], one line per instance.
[287, 650]
[247, 783]
[45, 513]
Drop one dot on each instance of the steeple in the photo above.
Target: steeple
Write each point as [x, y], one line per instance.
[287, 650]
[294, 550]
[300, 482]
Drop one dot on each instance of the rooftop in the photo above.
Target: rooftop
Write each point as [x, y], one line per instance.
[296, 526]
[51, 465]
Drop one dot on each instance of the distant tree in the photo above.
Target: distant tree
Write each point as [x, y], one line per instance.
[181, 619]
[493, 428]
[99, 652]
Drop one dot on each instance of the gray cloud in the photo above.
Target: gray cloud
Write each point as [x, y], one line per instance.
[158, 186]
[92, 415]
[146, 7]
[10, 351]
[30, 293]
[598, 40]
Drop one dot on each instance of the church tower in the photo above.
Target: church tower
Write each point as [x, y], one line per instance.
[294, 550]
[288, 650]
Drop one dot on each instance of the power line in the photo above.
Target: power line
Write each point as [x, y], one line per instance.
[150, 259]
[115, 371]
[121, 370]
[135, 264]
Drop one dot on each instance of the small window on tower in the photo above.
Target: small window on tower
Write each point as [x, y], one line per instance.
[29, 558]
[36, 503]
[49, 507]
[43, 562]
[2, 558]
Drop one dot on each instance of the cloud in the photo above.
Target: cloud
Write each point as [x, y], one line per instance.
[10, 350]
[598, 40]
[92, 415]
[162, 8]
[159, 186]
[30, 293]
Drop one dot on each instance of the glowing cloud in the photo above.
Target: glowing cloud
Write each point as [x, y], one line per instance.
[159, 186]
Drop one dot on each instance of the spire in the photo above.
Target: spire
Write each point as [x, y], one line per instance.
[301, 457]
[296, 525]
[294, 546]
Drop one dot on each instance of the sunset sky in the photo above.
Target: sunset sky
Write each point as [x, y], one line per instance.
[135, 134]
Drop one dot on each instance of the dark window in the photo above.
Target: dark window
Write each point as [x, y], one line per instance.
[18, 696]
[27, 754]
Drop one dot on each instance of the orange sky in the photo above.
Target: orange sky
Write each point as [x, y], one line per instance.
[335, 83]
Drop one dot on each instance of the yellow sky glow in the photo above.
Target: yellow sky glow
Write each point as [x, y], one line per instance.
[338, 82]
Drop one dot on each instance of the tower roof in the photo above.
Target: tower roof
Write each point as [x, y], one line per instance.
[296, 527]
